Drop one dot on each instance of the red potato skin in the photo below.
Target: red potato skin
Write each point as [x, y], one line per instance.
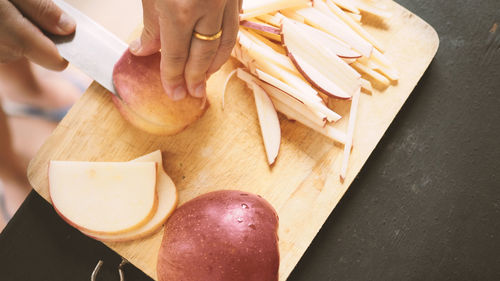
[304, 74]
[143, 101]
[260, 27]
[221, 236]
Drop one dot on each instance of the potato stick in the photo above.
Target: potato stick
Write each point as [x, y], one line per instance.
[255, 24]
[372, 73]
[226, 82]
[340, 30]
[347, 5]
[322, 68]
[366, 86]
[285, 87]
[259, 39]
[268, 122]
[249, 78]
[366, 8]
[354, 25]
[350, 134]
[264, 52]
[270, 6]
[254, 5]
[389, 73]
[313, 102]
[291, 102]
[382, 60]
[349, 61]
[269, 36]
[355, 17]
[270, 19]
[328, 130]
[321, 6]
[291, 14]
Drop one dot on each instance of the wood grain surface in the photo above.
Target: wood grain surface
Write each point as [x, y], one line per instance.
[224, 149]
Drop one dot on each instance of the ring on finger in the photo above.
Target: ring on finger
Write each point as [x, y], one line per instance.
[206, 37]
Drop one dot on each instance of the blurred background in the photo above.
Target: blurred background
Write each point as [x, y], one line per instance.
[33, 100]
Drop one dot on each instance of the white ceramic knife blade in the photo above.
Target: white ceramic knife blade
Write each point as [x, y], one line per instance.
[92, 48]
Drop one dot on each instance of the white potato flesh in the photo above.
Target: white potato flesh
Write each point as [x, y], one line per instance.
[103, 197]
[167, 201]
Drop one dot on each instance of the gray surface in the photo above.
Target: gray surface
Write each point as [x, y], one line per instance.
[426, 205]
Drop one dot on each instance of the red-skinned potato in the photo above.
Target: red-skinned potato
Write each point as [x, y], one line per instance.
[221, 236]
[143, 101]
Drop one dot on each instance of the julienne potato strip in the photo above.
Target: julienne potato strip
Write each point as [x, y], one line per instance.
[350, 134]
[264, 41]
[366, 86]
[265, 52]
[276, 93]
[322, 67]
[353, 24]
[316, 106]
[328, 130]
[320, 20]
[303, 91]
[364, 7]
[255, 8]
[291, 49]
[263, 29]
[293, 111]
[324, 40]
[347, 5]
[355, 17]
[372, 73]
[268, 121]
[270, 19]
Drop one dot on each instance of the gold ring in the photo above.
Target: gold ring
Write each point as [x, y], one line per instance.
[207, 37]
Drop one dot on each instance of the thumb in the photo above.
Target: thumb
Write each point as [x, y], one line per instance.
[46, 15]
[149, 42]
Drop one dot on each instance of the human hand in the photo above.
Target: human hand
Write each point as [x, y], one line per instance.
[20, 35]
[186, 61]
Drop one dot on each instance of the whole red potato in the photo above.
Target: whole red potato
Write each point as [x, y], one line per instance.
[144, 103]
[221, 236]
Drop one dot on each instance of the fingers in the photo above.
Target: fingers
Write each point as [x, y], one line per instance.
[149, 42]
[186, 60]
[176, 21]
[38, 48]
[230, 32]
[202, 54]
[46, 15]
[21, 38]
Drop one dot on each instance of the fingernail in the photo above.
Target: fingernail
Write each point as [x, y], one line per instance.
[179, 93]
[200, 91]
[135, 46]
[66, 23]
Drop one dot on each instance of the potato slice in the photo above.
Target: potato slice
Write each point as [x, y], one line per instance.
[103, 197]
[167, 201]
[268, 121]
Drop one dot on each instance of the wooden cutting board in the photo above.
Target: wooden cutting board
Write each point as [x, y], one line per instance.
[224, 149]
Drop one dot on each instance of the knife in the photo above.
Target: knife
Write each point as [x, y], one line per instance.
[92, 48]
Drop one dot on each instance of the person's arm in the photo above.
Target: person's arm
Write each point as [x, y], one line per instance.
[20, 35]
[186, 61]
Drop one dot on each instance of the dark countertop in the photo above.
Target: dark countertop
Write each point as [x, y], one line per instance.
[426, 206]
